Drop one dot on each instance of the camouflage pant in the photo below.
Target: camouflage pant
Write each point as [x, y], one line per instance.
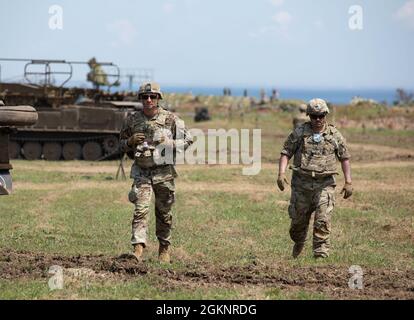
[140, 195]
[304, 202]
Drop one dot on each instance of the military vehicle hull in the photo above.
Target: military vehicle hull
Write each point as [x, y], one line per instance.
[9, 118]
[70, 132]
[88, 130]
[73, 123]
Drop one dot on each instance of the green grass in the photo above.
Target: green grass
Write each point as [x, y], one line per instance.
[39, 176]
[59, 211]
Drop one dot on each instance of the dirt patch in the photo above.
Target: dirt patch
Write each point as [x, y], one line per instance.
[383, 164]
[256, 192]
[17, 264]
[372, 152]
[69, 167]
[245, 188]
[393, 123]
[332, 281]
[70, 186]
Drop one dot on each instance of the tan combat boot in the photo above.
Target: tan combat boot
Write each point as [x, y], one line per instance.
[138, 250]
[320, 255]
[297, 249]
[164, 253]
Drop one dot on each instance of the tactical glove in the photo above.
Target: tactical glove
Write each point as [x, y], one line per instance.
[347, 190]
[281, 181]
[136, 139]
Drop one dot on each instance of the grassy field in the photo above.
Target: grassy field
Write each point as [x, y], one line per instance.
[230, 237]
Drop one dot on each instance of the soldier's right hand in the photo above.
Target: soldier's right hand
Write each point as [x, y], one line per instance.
[136, 139]
[282, 181]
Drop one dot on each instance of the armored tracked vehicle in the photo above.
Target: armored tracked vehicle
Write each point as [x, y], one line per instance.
[9, 118]
[73, 123]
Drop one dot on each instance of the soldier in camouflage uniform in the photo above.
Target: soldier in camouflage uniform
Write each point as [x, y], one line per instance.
[301, 117]
[97, 75]
[315, 146]
[149, 134]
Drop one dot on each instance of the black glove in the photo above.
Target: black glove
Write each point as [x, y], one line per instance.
[347, 190]
[282, 181]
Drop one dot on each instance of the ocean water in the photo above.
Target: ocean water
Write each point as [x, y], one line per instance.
[336, 96]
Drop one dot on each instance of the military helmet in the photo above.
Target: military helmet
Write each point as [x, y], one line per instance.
[150, 87]
[92, 61]
[302, 107]
[317, 106]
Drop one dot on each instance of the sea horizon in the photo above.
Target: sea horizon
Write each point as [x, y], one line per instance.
[336, 96]
[333, 95]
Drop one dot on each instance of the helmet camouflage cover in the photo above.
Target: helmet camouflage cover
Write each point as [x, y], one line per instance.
[302, 107]
[317, 106]
[150, 87]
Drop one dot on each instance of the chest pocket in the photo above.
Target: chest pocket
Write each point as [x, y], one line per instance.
[329, 146]
[145, 157]
[140, 125]
[148, 127]
[318, 156]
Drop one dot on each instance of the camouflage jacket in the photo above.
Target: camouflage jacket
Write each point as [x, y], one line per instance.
[299, 119]
[315, 155]
[163, 124]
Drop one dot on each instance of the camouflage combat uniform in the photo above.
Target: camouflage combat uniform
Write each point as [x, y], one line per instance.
[313, 182]
[299, 119]
[97, 75]
[151, 177]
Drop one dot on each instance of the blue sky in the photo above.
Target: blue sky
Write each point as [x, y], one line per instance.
[282, 43]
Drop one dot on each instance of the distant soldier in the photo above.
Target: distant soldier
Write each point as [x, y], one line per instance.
[97, 76]
[262, 96]
[301, 117]
[315, 146]
[275, 95]
[143, 134]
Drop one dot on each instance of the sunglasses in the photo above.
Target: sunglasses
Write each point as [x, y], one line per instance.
[151, 96]
[317, 116]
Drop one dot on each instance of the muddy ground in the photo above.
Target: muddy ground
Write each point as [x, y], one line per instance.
[328, 280]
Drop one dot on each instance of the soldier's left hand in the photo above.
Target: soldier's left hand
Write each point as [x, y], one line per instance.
[347, 190]
[282, 181]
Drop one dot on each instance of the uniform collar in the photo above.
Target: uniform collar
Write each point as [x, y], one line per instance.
[153, 117]
[308, 129]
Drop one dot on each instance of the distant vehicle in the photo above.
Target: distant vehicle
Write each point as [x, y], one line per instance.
[201, 114]
[73, 123]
